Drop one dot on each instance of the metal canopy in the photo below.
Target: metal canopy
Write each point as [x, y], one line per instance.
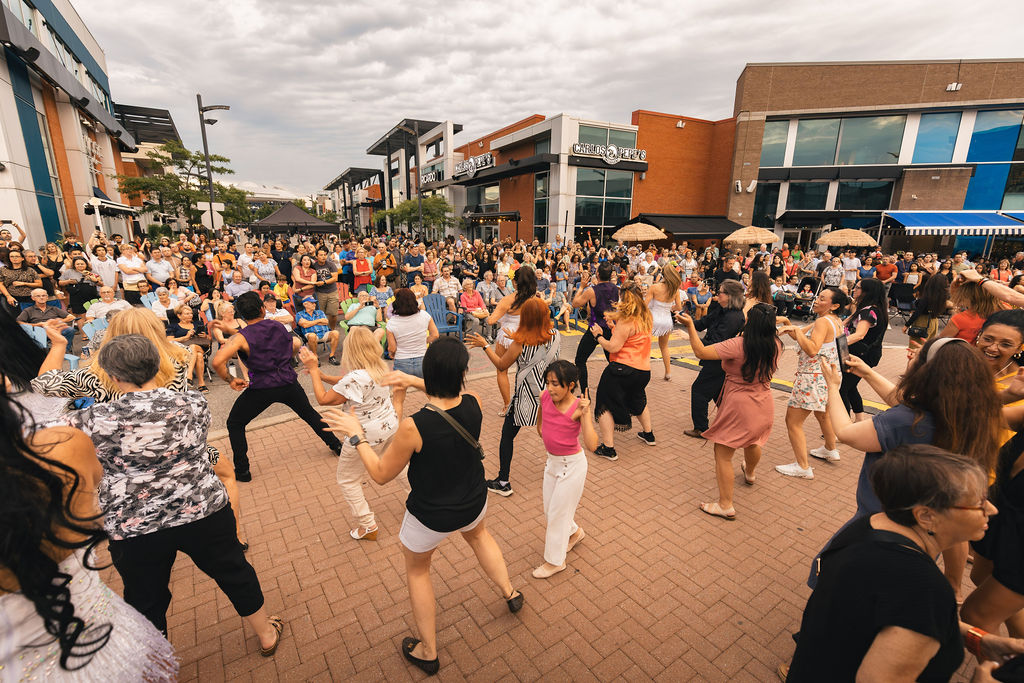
[353, 177]
[956, 222]
[403, 135]
[147, 124]
[686, 224]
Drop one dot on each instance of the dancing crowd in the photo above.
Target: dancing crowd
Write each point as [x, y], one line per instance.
[109, 445]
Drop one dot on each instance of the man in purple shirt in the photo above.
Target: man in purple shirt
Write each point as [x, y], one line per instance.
[267, 348]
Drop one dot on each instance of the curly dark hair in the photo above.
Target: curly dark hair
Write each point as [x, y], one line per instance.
[761, 346]
[36, 491]
[526, 286]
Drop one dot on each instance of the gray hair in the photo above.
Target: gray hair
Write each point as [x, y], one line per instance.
[735, 292]
[130, 358]
[162, 290]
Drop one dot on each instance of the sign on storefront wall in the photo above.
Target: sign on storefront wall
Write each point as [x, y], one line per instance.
[473, 164]
[612, 154]
[431, 177]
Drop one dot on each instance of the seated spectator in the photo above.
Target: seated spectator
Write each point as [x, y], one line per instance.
[488, 290]
[448, 287]
[236, 287]
[473, 304]
[190, 332]
[364, 312]
[40, 312]
[313, 327]
[106, 304]
[270, 304]
[419, 289]
[382, 295]
[164, 303]
[555, 299]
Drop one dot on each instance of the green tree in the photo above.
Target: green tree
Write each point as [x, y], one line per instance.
[236, 204]
[301, 203]
[438, 215]
[181, 182]
[330, 217]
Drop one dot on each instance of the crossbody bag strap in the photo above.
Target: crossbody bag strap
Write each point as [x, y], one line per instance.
[458, 428]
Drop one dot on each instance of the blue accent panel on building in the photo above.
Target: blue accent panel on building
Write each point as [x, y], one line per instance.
[29, 119]
[986, 188]
[61, 27]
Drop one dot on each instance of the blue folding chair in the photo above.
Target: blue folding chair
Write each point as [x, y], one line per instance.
[38, 335]
[148, 299]
[435, 305]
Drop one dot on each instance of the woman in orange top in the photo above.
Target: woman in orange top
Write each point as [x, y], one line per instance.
[975, 306]
[621, 393]
[361, 271]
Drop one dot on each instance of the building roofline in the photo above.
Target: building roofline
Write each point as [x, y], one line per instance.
[895, 62]
[668, 115]
[500, 132]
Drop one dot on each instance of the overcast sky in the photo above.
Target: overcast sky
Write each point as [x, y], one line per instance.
[313, 83]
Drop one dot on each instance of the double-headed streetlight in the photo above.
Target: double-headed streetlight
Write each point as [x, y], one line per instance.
[203, 121]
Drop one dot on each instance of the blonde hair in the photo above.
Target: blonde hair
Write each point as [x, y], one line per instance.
[671, 278]
[972, 296]
[631, 308]
[361, 351]
[142, 321]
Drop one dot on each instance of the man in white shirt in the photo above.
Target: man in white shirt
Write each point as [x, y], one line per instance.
[851, 265]
[103, 265]
[274, 313]
[245, 262]
[237, 287]
[448, 287]
[133, 271]
[106, 304]
[160, 269]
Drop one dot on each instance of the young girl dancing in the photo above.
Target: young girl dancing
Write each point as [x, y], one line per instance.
[559, 419]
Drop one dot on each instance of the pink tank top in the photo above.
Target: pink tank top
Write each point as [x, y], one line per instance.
[560, 433]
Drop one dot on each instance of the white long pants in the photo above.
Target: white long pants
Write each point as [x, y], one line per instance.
[351, 475]
[564, 477]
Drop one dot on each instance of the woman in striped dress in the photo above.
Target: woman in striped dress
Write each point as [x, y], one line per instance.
[534, 346]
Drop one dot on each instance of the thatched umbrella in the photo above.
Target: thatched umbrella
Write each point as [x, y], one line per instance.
[752, 235]
[847, 237]
[639, 232]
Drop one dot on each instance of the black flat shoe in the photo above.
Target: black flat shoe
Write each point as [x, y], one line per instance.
[243, 476]
[428, 666]
[515, 603]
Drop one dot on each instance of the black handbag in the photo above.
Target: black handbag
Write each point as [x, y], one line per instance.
[918, 330]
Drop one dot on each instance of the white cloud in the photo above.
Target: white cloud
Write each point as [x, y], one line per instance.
[312, 84]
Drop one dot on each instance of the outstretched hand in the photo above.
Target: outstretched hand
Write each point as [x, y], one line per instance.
[684, 318]
[307, 357]
[53, 329]
[341, 422]
[475, 340]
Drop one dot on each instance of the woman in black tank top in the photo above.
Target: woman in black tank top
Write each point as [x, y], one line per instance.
[446, 475]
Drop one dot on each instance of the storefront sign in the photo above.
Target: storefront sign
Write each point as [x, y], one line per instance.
[431, 177]
[473, 164]
[612, 154]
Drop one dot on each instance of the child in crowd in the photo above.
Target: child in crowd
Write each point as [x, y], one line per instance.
[560, 418]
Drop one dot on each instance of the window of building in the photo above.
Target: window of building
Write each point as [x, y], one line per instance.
[589, 211]
[995, 135]
[807, 196]
[51, 167]
[616, 211]
[987, 187]
[592, 134]
[864, 195]
[766, 202]
[23, 11]
[936, 138]
[590, 182]
[773, 143]
[540, 199]
[618, 183]
[606, 136]
[871, 140]
[542, 146]
[622, 138]
[816, 141]
[1013, 197]
[483, 198]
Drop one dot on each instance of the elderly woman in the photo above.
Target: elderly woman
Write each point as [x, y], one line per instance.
[159, 493]
[164, 303]
[439, 445]
[473, 305]
[904, 627]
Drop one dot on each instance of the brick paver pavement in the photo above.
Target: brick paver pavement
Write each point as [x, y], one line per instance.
[657, 590]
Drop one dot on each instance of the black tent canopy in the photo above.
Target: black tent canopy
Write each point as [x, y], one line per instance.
[291, 219]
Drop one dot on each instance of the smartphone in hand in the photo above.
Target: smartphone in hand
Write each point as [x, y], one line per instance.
[843, 347]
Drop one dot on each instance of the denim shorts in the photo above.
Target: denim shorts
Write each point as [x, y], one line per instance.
[410, 366]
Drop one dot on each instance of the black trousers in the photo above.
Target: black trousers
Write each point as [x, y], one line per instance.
[509, 430]
[704, 390]
[145, 562]
[133, 297]
[588, 343]
[252, 402]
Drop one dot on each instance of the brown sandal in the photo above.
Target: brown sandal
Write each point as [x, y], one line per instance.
[278, 625]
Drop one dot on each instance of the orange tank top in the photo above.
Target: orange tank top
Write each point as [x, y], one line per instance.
[636, 352]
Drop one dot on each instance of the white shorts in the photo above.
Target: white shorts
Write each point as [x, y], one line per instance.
[419, 539]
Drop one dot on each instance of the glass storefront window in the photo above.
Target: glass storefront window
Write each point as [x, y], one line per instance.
[865, 195]
[936, 138]
[622, 138]
[588, 211]
[773, 143]
[542, 146]
[590, 182]
[986, 189]
[540, 212]
[816, 142]
[540, 185]
[807, 196]
[1013, 198]
[871, 140]
[491, 197]
[995, 135]
[766, 202]
[592, 134]
[620, 184]
[616, 211]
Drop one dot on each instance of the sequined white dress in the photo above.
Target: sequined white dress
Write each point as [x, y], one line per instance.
[135, 652]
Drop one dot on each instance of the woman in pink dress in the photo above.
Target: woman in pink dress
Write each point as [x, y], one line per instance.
[745, 410]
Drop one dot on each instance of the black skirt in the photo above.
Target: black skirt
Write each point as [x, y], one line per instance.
[622, 392]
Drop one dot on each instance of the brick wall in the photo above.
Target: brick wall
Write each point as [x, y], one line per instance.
[935, 189]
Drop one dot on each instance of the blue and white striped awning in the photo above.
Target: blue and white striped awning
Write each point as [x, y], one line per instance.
[956, 222]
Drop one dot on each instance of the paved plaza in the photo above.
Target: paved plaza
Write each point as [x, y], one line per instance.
[657, 590]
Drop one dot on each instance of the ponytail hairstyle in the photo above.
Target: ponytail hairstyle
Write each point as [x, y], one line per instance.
[760, 344]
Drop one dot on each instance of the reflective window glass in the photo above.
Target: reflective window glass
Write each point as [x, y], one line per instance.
[816, 142]
[936, 138]
[869, 195]
[595, 135]
[540, 185]
[590, 182]
[542, 146]
[766, 202]
[986, 189]
[995, 135]
[622, 138]
[1018, 153]
[491, 194]
[1013, 198]
[588, 211]
[620, 184]
[807, 196]
[616, 211]
[540, 212]
[871, 140]
[773, 144]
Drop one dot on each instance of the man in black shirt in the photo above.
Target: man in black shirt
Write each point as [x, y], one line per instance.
[724, 320]
[725, 272]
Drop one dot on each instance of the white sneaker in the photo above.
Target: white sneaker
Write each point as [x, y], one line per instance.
[823, 453]
[794, 470]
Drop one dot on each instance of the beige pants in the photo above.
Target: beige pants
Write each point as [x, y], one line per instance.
[351, 475]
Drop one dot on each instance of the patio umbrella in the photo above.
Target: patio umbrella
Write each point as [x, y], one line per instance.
[752, 235]
[638, 232]
[847, 237]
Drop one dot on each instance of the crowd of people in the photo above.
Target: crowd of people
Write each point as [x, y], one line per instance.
[115, 448]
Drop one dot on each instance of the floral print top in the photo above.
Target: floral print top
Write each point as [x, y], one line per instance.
[156, 471]
[371, 403]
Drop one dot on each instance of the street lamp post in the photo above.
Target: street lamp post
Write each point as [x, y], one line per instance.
[206, 148]
[419, 171]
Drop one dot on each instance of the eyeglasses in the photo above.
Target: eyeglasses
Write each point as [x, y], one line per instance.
[982, 507]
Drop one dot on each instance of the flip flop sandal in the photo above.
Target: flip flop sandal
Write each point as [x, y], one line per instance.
[278, 625]
[715, 510]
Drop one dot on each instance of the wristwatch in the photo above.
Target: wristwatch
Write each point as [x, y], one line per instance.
[356, 439]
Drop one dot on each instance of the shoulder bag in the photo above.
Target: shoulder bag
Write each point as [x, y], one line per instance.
[457, 427]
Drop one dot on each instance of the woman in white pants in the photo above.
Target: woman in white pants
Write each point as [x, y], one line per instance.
[560, 418]
[371, 401]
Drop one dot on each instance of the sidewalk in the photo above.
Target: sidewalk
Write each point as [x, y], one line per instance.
[657, 590]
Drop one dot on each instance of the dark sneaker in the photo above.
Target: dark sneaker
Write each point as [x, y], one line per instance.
[606, 452]
[333, 360]
[495, 486]
[647, 437]
[243, 476]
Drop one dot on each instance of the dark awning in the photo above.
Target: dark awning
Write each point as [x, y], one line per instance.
[404, 135]
[147, 124]
[686, 225]
[795, 218]
[595, 162]
[290, 218]
[491, 216]
[353, 177]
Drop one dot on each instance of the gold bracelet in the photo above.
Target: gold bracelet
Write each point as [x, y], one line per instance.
[972, 641]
